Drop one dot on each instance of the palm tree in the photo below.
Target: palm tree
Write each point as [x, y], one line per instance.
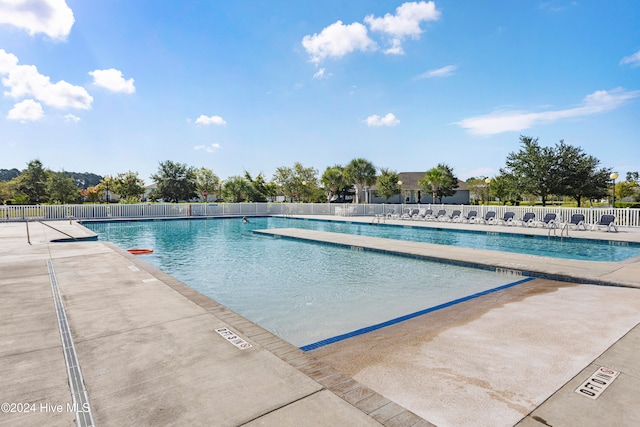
[362, 173]
[440, 181]
[333, 180]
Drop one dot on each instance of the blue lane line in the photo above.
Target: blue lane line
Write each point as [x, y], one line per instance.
[408, 316]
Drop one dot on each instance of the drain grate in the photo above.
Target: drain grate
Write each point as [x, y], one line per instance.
[80, 404]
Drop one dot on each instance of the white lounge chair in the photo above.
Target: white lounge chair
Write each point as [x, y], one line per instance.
[608, 221]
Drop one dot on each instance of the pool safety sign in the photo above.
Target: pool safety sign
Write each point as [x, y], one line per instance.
[233, 338]
[597, 383]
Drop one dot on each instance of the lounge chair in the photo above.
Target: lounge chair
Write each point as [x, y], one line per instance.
[527, 220]
[441, 215]
[391, 214]
[428, 215]
[410, 213]
[549, 221]
[471, 216]
[577, 221]
[488, 218]
[420, 215]
[507, 218]
[454, 217]
[608, 221]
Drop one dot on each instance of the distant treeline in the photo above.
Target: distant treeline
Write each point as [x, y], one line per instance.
[83, 180]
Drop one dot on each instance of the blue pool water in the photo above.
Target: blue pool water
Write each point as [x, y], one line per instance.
[568, 248]
[300, 291]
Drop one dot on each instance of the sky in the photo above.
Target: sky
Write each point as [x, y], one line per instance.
[110, 86]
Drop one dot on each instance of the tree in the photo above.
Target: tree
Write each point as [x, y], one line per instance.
[129, 186]
[33, 182]
[206, 183]
[360, 172]
[61, 188]
[236, 189]
[93, 194]
[537, 168]
[8, 190]
[334, 180]
[440, 181]
[9, 174]
[257, 187]
[505, 189]
[579, 176]
[388, 184]
[628, 187]
[478, 189]
[299, 183]
[175, 181]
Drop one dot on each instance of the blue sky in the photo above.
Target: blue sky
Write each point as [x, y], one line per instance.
[111, 86]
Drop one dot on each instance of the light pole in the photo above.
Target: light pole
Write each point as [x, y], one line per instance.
[400, 186]
[488, 182]
[613, 176]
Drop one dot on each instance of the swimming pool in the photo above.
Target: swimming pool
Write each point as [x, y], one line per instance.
[302, 292]
[565, 247]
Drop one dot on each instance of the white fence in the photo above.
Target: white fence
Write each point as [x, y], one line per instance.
[625, 217]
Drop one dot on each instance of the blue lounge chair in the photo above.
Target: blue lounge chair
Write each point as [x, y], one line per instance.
[488, 218]
[454, 217]
[608, 221]
[471, 216]
[527, 220]
[507, 218]
[577, 221]
[549, 221]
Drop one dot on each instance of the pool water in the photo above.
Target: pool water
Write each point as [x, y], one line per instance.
[300, 291]
[556, 247]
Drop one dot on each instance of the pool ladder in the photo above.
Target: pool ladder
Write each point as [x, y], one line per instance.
[563, 227]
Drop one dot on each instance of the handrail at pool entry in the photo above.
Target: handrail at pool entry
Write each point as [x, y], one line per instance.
[625, 217]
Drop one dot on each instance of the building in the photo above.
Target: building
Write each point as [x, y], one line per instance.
[412, 192]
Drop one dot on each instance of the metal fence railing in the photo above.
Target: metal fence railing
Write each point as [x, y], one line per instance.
[625, 217]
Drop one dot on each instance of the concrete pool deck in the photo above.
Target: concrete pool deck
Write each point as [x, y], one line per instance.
[150, 355]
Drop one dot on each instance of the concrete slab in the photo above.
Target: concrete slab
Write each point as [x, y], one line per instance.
[147, 346]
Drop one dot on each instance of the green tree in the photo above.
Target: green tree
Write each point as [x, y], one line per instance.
[361, 173]
[257, 187]
[33, 182]
[175, 181]
[8, 190]
[478, 189]
[236, 189]
[440, 182]
[298, 183]
[578, 174]
[505, 189]
[206, 183]
[333, 180]
[536, 167]
[388, 183]
[129, 186]
[61, 188]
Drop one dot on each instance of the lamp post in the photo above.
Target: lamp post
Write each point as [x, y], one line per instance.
[400, 185]
[304, 191]
[613, 176]
[488, 182]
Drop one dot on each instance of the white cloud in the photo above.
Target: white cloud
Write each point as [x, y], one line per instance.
[514, 121]
[633, 60]
[71, 118]
[26, 111]
[337, 40]
[25, 81]
[405, 23]
[440, 72]
[51, 17]
[213, 120]
[208, 148]
[322, 74]
[388, 120]
[112, 80]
